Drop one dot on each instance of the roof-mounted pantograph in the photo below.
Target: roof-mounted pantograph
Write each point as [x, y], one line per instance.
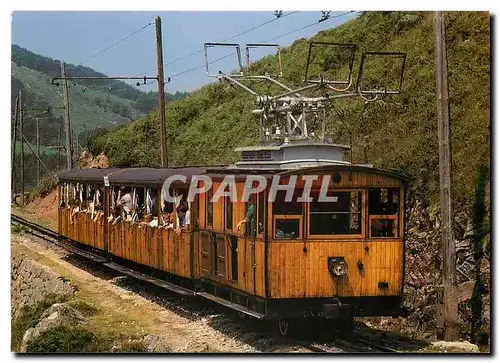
[329, 75]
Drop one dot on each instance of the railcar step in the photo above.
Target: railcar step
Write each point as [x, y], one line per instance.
[161, 283]
[231, 305]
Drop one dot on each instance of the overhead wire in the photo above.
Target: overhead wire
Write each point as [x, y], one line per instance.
[202, 49]
[111, 46]
[116, 43]
[277, 37]
[308, 26]
[235, 36]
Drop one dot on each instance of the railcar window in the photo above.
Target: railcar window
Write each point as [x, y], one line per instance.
[229, 213]
[62, 191]
[340, 216]
[210, 208]
[287, 216]
[262, 204]
[250, 211]
[167, 207]
[285, 228]
[281, 207]
[383, 209]
[196, 211]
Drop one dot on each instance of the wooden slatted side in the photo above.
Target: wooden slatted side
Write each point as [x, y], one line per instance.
[115, 243]
[294, 273]
[99, 233]
[176, 253]
[259, 267]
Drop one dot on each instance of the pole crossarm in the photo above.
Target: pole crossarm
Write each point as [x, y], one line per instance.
[68, 78]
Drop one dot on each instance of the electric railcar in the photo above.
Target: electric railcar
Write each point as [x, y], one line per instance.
[296, 259]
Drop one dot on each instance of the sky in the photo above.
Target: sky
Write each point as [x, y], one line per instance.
[75, 36]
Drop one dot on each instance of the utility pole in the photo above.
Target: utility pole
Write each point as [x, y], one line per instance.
[14, 140]
[77, 151]
[59, 149]
[21, 126]
[68, 124]
[73, 146]
[161, 94]
[450, 300]
[38, 150]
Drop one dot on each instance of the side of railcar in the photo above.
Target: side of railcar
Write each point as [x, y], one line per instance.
[231, 260]
[139, 233]
[81, 207]
[347, 252]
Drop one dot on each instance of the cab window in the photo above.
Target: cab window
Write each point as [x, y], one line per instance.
[383, 210]
[287, 216]
[341, 215]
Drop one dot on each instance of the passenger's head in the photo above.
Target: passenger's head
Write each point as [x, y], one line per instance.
[182, 209]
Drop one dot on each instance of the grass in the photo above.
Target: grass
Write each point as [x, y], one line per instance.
[18, 229]
[75, 339]
[28, 317]
[63, 340]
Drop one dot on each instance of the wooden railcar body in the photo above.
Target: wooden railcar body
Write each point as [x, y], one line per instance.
[272, 274]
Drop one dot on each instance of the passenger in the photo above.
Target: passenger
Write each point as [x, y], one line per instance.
[98, 216]
[183, 216]
[97, 205]
[73, 204]
[152, 202]
[167, 222]
[84, 207]
[148, 219]
[126, 201]
[116, 215]
[249, 215]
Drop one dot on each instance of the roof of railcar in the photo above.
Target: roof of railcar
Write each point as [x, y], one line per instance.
[396, 174]
[90, 175]
[156, 176]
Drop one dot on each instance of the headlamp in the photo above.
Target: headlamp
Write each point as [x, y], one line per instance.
[337, 266]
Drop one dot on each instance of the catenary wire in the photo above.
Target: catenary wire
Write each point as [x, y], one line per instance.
[116, 43]
[277, 37]
[202, 49]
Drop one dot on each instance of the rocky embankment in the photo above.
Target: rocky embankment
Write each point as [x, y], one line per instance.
[44, 307]
[423, 275]
[32, 282]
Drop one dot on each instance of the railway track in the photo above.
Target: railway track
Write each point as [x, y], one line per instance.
[357, 345]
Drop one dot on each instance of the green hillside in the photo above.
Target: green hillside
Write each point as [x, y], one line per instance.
[143, 102]
[89, 109]
[396, 132]
[93, 103]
